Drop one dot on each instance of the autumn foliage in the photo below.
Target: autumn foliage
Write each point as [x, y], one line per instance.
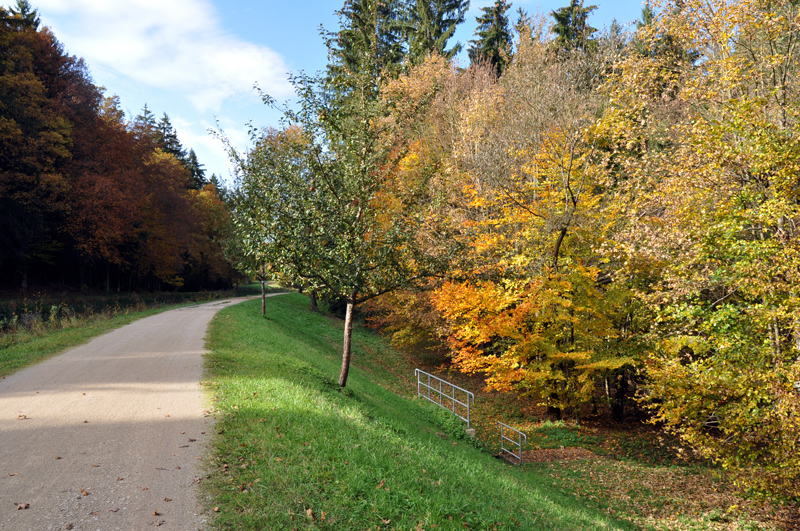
[627, 214]
[88, 199]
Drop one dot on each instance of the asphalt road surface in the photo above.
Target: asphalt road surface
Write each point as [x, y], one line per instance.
[109, 435]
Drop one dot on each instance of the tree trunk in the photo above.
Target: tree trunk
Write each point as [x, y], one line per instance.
[348, 334]
[618, 405]
[313, 296]
[263, 297]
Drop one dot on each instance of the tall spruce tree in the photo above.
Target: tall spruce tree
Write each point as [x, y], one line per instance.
[494, 37]
[27, 15]
[430, 24]
[167, 139]
[145, 125]
[572, 28]
[369, 36]
[197, 173]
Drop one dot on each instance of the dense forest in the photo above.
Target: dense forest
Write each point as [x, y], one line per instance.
[88, 199]
[594, 219]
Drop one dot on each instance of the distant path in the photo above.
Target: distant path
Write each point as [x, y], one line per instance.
[108, 435]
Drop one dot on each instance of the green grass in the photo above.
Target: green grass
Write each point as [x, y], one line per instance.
[293, 452]
[22, 348]
[36, 348]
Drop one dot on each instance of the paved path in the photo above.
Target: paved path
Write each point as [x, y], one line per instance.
[109, 435]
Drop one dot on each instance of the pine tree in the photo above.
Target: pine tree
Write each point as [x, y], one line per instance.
[144, 125]
[28, 16]
[167, 139]
[369, 36]
[197, 173]
[494, 32]
[572, 28]
[430, 24]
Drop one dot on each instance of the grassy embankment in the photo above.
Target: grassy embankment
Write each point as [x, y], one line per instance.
[293, 452]
[36, 328]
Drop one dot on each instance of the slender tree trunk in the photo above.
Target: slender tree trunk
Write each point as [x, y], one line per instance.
[263, 297]
[348, 334]
[557, 248]
[313, 296]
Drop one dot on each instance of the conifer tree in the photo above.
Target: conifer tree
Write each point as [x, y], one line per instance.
[369, 36]
[430, 24]
[572, 28]
[196, 171]
[27, 15]
[144, 124]
[494, 37]
[167, 139]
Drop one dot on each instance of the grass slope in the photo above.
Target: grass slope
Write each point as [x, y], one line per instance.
[293, 452]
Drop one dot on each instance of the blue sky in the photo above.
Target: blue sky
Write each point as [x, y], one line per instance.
[197, 60]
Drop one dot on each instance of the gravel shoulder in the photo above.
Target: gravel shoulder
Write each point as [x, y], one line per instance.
[109, 435]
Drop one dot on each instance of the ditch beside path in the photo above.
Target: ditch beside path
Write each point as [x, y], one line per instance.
[109, 435]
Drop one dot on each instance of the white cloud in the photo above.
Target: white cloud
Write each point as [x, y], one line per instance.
[175, 45]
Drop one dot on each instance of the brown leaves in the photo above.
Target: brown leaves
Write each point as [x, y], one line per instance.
[22, 506]
[84, 492]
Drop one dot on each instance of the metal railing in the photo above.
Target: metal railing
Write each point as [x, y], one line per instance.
[517, 444]
[444, 394]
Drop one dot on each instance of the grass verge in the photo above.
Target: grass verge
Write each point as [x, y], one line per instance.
[294, 452]
[21, 348]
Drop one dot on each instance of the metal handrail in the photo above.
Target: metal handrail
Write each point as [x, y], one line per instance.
[517, 443]
[436, 390]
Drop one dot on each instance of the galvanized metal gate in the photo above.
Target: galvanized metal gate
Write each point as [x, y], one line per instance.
[515, 445]
[444, 394]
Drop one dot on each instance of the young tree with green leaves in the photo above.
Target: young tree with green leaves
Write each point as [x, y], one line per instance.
[317, 198]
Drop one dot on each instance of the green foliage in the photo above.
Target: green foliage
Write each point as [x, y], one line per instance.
[429, 24]
[292, 451]
[571, 27]
[494, 37]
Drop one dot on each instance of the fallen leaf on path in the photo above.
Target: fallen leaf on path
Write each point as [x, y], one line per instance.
[22, 417]
[86, 422]
[21, 506]
[120, 479]
[156, 513]
[113, 510]
[70, 526]
[94, 513]
[216, 509]
[167, 499]
[192, 440]
[13, 474]
[84, 492]
[58, 457]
